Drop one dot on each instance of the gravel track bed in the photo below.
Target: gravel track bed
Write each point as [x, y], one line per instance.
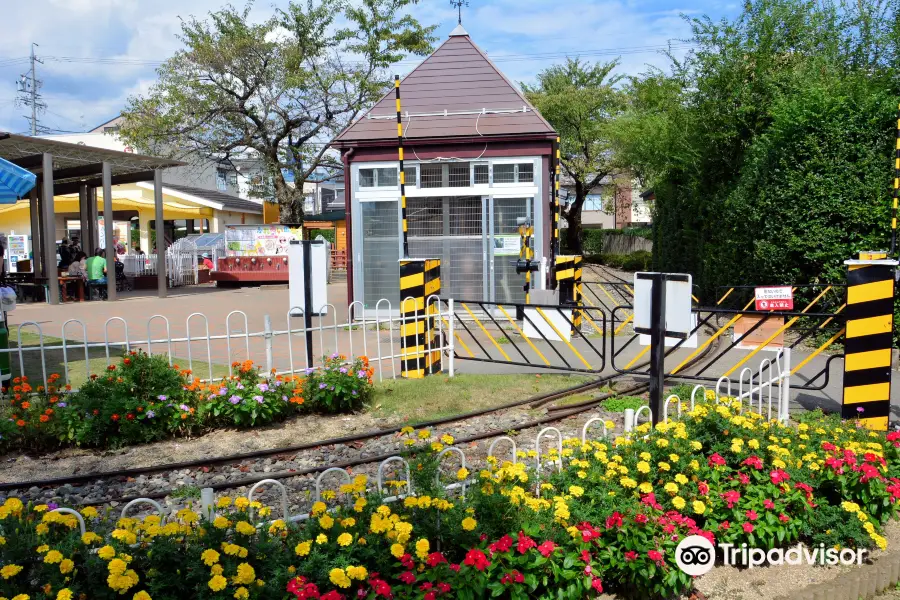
[300, 488]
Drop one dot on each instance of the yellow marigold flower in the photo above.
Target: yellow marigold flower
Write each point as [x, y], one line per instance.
[326, 522]
[217, 583]
[10, 571]
[681, 479]
[436, 446]
[424, 434]
[671, 488]
[241, 593]
[53, 557]
[345, 539]
[66, 566]
[662, 443]
[221, 523]
[142, 595]
[410, 502]
[643, 466]
[447, 439]
[397, 550]
[241, 503]
[462, 474]
[245, 574]
[90, 537]
[694, 465]
[422, 547]
[64, 594]
[645, 456]
[2, 541]
[117, 566]
[21, 597]
[469, 524]
[646, 487]
[407, 430]
[244, 528]
[216, 570]
[627, 482]
[424, 502]
[89, 512]
[695, 445]
[576, 491]
[303, 548]
[409, 442]
[360, 504]
[321, 539]
[42, 529]
[678, 502]
[339, 578]
[348, 522]
[664, 466]
[106, 552]
[209, 557]
[699, 507]
[358, 573]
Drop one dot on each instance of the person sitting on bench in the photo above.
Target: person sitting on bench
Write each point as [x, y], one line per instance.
[96, 269]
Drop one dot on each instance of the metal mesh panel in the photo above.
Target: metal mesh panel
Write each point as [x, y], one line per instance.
[450, 229]
[526, 172]
[388, 177]
[409, 173]
[504, 173]
[380, 253]
[431, 175]
[459, 174]
[482, 174]
[507, 283]
[367, 178]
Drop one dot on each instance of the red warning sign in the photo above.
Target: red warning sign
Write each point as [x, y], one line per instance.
[775, 298]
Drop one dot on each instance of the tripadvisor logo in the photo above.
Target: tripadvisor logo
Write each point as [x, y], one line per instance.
[696, 555]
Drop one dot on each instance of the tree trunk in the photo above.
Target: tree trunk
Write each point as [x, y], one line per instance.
[290, 201]
[573, 233]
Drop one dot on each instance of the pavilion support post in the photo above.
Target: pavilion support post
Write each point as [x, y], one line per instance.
[48, 236]
[84, 194]
[34, 208]
[160, 233]
[108, 232]
[93, 234]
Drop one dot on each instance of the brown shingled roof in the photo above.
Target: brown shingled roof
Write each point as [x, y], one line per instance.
[457, 77]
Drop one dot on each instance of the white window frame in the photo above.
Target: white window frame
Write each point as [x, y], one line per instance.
[516, 161]
[375, 167]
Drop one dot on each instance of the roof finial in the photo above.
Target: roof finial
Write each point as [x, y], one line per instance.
[458, 4]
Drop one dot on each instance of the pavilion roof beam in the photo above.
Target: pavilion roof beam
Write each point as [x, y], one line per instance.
[74, 186]
[33, 161]
[80, 171]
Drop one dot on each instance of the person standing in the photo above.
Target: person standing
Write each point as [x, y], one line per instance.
[65, 254]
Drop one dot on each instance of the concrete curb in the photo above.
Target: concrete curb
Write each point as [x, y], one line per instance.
[863, 582]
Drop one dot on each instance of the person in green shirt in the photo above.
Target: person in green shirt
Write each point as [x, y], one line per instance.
[96, 267]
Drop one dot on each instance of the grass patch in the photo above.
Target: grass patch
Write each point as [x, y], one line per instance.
[78, 368]
[416, 400]
[621, 403]
[581, 397]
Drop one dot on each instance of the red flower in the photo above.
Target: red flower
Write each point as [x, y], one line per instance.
[512, 577]
[630, 556]
[731, 497]
[753, 461]
[547, 548]
[586, 556]
[127, 361]
[597, 585]
[779, 476]
[828, 447]
[783, 518]
[655, 555]
[640, 518]
[716, 460]
[477, 559]
[745, 479]
[444, 587]
[614, 520]
[703, 488]
[454, 567]
[430, 596]
[751, 514]
[407, 577]
[434, 559]
[96, 412]
[130, 417]
[332, 595]
[382, 588]
[724, 525]
[426, 586]
[111, 368]
[869, 472]
[525, 543]
[115, 417]
[768, 504]
[501, 545]
[748, 527]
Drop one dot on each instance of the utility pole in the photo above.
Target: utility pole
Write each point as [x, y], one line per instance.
[29, 95]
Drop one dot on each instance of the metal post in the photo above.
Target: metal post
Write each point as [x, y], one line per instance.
[35, 210]
[785, 413]
[161, 280]
[629, 420]
[307, 300]
[49, 234]
[267, 336]
[93, 219]
[108, 232]
[83, 212]
[451, 341]
[657, 344]
[402, 176]
[208, 504]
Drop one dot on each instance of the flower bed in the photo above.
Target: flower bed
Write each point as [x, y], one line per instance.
[143, 398]
[611, 518]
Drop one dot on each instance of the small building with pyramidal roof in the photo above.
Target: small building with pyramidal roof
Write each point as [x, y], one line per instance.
[478, 156]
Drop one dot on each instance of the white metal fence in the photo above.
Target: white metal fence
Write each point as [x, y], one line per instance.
[208, 350]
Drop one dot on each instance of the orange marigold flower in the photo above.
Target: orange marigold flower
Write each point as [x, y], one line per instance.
[68, 388]
[17, 388]
[18, 396]
[111, 368]
[115, 417]
[17, 380]
[93, 376]
[140, 409]
[26, 405]
[54, 399]
[49, 411]
[44, 418]
[20, 423]
[184, 416]
[126, 362]
[27, 388]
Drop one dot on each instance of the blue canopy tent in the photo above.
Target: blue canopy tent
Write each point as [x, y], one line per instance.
[15, 182]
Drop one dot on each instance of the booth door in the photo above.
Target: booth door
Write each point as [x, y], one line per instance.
[504, 243]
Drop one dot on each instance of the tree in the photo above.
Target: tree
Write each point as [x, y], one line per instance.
[281, 89]
[579, 100]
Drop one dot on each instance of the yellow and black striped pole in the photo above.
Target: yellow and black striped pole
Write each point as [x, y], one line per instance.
[402, 176]
[568, 281]
[420, 346]
[554, 212]
[526, 255]
[896, 190]
[868, 340]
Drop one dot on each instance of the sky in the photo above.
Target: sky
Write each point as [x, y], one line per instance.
[97, 53]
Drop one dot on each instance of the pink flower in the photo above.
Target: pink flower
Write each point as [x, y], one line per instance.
[751, 514]
[614, 520]
[731, 497]
[753, 461]
[779, 476]
[597, 585]
[768, 504]
[640, 518]
[724, 525]
[748, 527]
[745, 479]
[547, 548]
[631, 555]
[783, 518]
[408, 577]
[703, 488]
[525, 543]
[655, 555]
[585, 556]
[716, 460]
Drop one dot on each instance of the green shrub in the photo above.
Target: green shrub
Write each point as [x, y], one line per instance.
[620, 403]
[592, 241]
[338, 387]
[246, 399]
[637, 261]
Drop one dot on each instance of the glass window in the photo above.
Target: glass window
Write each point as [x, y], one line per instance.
[593, 202]
[526, 172]
[482, 174]
[459, 174]
[387, 177]
[221, 181]
[366, 178]
[380, 252]
[409, 175]
[504, 173]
